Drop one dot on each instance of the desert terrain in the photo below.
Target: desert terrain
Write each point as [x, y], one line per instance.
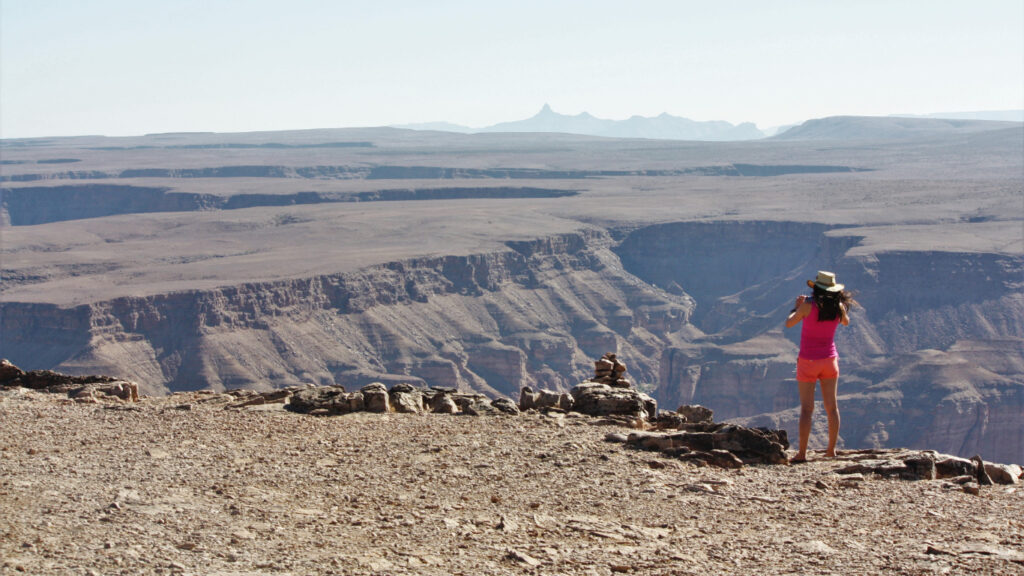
[193, 483]
[490, 262]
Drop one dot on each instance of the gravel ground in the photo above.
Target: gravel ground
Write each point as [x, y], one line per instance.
[182, 485]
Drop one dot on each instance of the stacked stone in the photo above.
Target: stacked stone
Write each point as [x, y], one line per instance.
[610, 370]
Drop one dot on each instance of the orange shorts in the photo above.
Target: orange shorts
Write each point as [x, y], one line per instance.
[813, 370]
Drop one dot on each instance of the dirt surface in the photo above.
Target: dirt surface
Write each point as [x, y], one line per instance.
[182, 485]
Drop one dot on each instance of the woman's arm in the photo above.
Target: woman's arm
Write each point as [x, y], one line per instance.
[844, 317]
[800, 311]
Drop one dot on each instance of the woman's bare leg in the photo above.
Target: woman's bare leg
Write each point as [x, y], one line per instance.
[806, 412]
[828, 395]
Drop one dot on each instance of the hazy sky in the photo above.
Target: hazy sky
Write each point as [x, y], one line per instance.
[123, 67]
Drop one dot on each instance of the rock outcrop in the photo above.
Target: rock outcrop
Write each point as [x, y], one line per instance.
[929, 465]
[80, 388]
[720, 444]
[609, 393]
[401, 398]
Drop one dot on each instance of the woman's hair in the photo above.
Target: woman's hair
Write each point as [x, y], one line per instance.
[828, 303]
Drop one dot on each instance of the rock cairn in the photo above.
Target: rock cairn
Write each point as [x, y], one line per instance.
[608, 393]
[84, 389]
[611, 371]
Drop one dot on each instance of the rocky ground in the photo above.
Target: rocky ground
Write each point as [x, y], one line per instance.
[184, 485]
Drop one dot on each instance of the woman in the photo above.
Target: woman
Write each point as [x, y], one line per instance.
[821, 314]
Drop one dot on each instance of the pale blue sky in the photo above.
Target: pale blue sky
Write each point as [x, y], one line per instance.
[124, 67]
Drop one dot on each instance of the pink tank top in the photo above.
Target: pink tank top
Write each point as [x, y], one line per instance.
[817, 339]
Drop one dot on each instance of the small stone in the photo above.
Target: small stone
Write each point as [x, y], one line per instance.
[979, 471]
[816, 547]
[972, 488]
[523, 557]
[723, 459]
[507, 525]
[852, 480]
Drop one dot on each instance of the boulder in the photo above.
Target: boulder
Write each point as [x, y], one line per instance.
[482, 408]
[506, 406]
[406, 398]
[597, 399]
[721, 458]
[1003, 473]
[919, 468]
[327, 400]
[656, 441]
[9, 372]
[443, 404]
[434, 395]
[544, 399]
[668, 420]
[466, 399]
[375, 398]
[84, 396]
[253, 398]
[696, 413]
[952, 467]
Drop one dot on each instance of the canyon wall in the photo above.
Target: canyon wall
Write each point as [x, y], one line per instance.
[933, 357]
[31, 205]
[535, 314]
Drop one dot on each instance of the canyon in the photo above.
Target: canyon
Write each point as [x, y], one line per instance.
[490, 262]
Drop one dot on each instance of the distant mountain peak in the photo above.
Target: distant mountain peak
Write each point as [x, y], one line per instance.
[664, 126]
